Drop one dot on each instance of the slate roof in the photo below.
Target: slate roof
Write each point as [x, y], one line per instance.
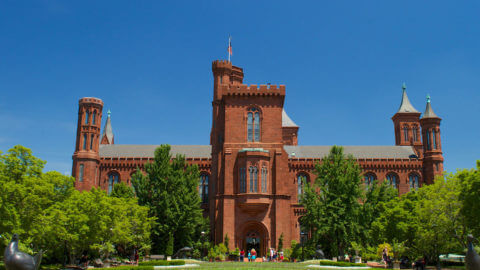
[107, 130]
[139, 150]
[286, 121]
[405, 105]
[356, 151]
[429, 111]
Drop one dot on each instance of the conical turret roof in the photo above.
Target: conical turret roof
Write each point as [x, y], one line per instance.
[405, 105]
[429, 111]
[107, 130]
[286, 121]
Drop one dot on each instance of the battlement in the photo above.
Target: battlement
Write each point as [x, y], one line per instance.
[243, 89]
[90, 100]
[221, 64]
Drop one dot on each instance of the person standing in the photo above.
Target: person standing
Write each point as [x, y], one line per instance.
[242, 255]
[271, 254]
[254, 254]
[249, 256]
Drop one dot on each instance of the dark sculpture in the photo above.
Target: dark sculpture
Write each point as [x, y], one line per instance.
[17, 260]
[472, 259]
[319, 253]
[182, 251]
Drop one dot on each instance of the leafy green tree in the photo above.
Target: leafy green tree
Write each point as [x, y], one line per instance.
[169, 248]
[122, 190]
[333, 202]
[469, 196]
[169, 189]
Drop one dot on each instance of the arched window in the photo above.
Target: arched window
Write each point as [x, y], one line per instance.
[113, 178]
[392, 180]
[414, 132]
[303, 233]
[80, 173]
[369, 178]
[203, 188]
[434, 139]
[405, 133]
[428, 140]
[84, 141]
[301, 181]
[264, 179]
[253, 125]
[94, 116]
[413, 179]
[91, 142]
[243, 180]
[253, 179]
[87, 115]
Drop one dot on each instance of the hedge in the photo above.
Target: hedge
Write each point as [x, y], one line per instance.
[161, 263]
[332, 263]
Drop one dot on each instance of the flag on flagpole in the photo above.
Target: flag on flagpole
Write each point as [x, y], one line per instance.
[230, 51]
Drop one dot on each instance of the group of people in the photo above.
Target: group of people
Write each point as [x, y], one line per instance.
[252, 256]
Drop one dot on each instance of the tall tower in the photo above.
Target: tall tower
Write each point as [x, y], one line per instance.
[86, 158]
[407, 125]
[432, 144]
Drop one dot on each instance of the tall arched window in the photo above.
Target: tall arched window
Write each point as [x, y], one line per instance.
[434, 139]
[84, 141]
[253, 125]
[301, 181]
[87, 115]
[405, 133]
[113, 178]
[94, 116]
[264, 179]
[369, 178]
[413, 179]
[243, 180]
[428, 140]
[253, 179]
[414, 132]
[80, 173]
[203, 188]
[392, 180]
[91, 141]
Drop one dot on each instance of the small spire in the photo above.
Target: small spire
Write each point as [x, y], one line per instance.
[405, 105]
[428, 110]
[107, 136]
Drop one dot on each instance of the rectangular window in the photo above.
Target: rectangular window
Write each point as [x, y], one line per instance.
[251, 179]
[405, 133]
[80, 173]
[255, 180]
[264, 179]
[243, 180]
[257, 127]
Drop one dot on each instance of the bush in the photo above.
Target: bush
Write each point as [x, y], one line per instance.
[332, 263]
[286, 260]
[159, 263]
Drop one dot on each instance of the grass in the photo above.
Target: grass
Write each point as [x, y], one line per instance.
[251, 265]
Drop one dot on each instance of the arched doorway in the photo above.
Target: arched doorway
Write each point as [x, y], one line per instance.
[255, 235]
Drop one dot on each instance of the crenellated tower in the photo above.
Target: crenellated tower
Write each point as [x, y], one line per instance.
[86, 157]
[407, 125]
[433, 157]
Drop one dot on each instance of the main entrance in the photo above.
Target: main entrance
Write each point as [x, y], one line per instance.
[253, 241]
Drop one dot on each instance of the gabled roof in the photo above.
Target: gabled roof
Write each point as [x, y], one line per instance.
[377, 151]
[286, 121]
[429, 111]
[140, 150]
[405, 105]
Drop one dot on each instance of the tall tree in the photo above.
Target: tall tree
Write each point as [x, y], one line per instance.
[469, 196]
[333, 202]
[170, 189]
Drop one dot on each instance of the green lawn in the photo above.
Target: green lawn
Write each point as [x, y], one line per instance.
[251, 265]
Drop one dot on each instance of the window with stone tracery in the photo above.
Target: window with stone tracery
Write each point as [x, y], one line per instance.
[253, 125]
[264, 179]
[253, 170]
[243, 180]
[203, 188]
[302, 180]
[413, 181]
[87, 115]
[369, 178]
[405, 133]
[113, 178]
[392, 180]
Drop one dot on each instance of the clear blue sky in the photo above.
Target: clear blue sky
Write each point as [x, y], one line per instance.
[343, 63]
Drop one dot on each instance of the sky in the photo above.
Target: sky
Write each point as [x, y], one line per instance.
[343, 64]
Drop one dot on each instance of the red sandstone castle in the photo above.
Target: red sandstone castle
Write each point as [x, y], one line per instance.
[253, 171]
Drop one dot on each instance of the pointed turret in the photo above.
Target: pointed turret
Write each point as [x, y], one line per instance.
[289, 130]
[405, 105]
[107, 136]
[407, 126]
[432, 144]
[428, 110]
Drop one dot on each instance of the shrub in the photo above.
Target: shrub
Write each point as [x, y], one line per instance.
[158, 263]
[332, 263]
[169, 248]
[286, 260]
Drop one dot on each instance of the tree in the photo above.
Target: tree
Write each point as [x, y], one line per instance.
[122, 190]
[169, 247]
[170, 189]
[469, 197]
[333, 202]
[280, 242]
